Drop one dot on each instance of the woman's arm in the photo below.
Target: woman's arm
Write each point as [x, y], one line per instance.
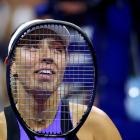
[98, 126]
[101, 126]
[3, 128]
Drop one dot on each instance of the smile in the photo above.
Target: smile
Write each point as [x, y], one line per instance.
[44, 74]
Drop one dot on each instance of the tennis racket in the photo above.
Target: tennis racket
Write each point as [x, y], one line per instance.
[51, 78]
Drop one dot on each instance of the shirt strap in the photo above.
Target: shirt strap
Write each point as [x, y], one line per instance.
[13, 132]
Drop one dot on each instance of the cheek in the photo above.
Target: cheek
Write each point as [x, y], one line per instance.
[61, 65]
[25, 60]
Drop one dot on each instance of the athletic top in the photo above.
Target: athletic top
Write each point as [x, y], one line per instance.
[16, 132]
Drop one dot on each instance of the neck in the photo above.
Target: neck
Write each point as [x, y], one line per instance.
[38, 109]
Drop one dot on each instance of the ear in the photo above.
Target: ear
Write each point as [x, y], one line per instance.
[14, 72]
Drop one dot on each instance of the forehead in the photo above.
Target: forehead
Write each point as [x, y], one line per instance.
[34, 37]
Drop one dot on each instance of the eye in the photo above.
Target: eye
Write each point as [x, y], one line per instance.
[30, 45]
[58, 47]
[35, 46]
[31, 48]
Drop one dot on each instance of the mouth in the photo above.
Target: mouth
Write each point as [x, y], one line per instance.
[45, 71]
[44, 74]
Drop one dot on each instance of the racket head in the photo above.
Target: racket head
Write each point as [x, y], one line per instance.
[73, 86]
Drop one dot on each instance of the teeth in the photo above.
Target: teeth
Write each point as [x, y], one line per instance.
[45, 72]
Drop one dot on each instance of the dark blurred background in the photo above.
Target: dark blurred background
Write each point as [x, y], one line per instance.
[114, 28]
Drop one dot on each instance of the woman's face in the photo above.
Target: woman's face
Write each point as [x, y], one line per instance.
[40, 66]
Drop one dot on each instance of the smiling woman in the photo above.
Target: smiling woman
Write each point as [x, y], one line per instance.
[39, 70]
[44, 55]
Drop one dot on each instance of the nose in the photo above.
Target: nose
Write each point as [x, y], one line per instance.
[46, 54]
[47, 60]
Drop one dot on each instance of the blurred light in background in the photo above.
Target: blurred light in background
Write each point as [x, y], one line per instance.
[134, 92]
[132, 101]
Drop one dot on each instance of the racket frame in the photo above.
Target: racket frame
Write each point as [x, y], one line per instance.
[31, 134]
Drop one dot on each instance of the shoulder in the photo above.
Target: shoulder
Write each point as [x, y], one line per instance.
[97, 126]
[3, 127]
[102, 125]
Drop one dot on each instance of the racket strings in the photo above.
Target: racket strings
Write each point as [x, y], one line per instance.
[47, 70]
